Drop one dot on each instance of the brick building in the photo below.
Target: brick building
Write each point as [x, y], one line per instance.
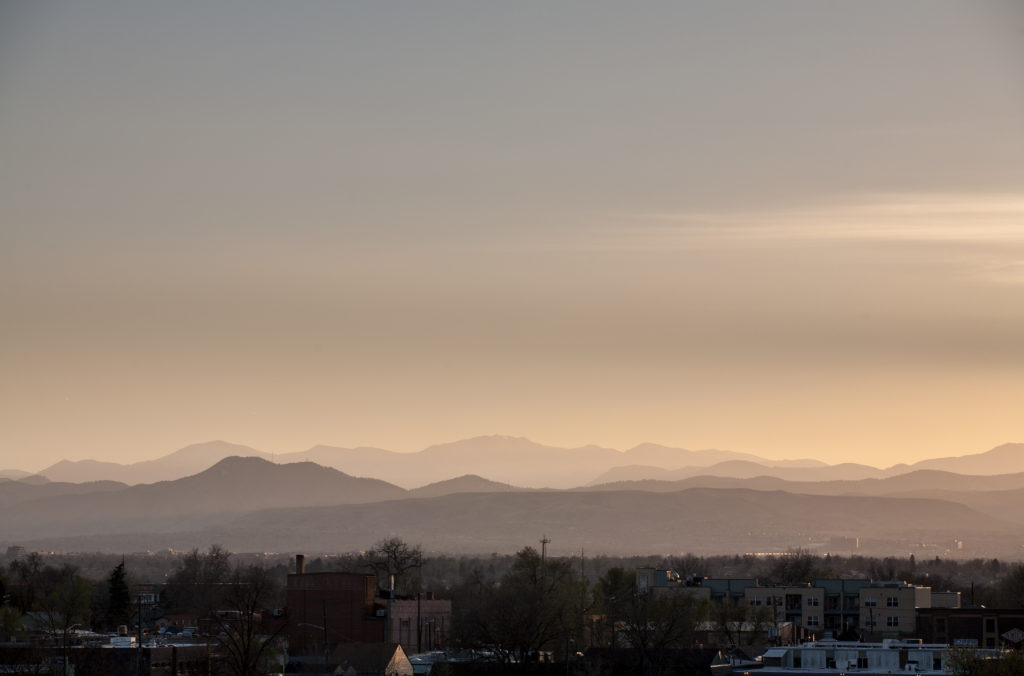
[336, 607]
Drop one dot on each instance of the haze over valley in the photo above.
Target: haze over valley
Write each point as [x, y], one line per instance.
[707, 502]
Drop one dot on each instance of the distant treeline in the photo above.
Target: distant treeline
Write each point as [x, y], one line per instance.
[517, 606]
[980, 581]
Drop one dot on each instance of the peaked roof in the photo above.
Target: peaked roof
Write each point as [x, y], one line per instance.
[367, 657]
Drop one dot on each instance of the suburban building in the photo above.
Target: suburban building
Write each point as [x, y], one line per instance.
[977, 627]
[656, 581]
[803, 605]
[825, 607]
[420, 624]
[890, 608]
[890, 656]
[842, 604]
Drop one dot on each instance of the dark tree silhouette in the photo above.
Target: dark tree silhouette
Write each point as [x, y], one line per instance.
[536, 606]
[248, 647]
[393, 556]
[119, 597]
[194, 586]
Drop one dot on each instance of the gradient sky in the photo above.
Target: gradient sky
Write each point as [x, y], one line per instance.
[789, 228]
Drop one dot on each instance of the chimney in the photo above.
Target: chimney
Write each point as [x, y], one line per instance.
[300, 564]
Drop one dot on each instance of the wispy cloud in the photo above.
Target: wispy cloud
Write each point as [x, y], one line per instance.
[892, 217]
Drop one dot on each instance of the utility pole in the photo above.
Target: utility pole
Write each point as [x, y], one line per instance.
[543, 547]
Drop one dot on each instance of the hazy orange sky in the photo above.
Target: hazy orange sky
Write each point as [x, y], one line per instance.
[794, 229]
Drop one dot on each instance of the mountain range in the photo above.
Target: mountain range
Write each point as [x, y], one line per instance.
[251, 503]
[521, 462]
[512, 460]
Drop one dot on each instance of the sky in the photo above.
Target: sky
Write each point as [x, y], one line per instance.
[794, 229]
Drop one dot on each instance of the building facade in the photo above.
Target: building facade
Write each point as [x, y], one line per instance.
[889, 609]
[976, 627]
[826, 607]
[420, 624]
[803, 605]
[324, 609]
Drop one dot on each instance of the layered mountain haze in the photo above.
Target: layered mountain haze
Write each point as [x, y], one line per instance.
[446, 496]
[19, 491]
[520, 462]
[740, 469]
[677, 458]
[920, 483]
[1000, 505]
[621, 522]
[1006, 458]
[183, 462]
[231, 487]
[624, 522]
[510, 460]
[13, 474]
[471, 483]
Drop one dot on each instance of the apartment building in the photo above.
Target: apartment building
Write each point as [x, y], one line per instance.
[890, 608]
[825, 607]
[717, 589]
[802, 605]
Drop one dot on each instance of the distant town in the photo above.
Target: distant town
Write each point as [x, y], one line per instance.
[394, 609]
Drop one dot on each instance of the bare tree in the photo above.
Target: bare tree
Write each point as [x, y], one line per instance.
[537, 605]
[393, 556]
[67, 603]
[247, 645]
[193, 587]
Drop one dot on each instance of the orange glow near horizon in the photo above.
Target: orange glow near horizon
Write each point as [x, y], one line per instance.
[794, 231]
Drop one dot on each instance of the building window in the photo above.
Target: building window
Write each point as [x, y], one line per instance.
[813, 621]
[755, 600]
[870, 601]
[892, 621]
[893, 602]
[813, 601]
[990, 625]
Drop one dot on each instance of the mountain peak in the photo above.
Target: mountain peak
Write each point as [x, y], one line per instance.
[1003, 459]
